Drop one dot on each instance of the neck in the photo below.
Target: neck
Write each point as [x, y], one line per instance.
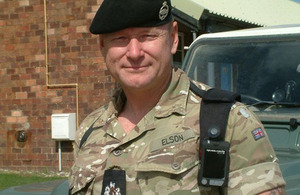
[142, 103]
[139, 103]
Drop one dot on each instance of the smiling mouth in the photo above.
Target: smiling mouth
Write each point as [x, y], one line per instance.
[136, 68]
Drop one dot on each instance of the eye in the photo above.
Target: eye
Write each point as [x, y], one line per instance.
[120, 40]
[147, 37]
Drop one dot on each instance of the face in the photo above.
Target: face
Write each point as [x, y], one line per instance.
[140, 58]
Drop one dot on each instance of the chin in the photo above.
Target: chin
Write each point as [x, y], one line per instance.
[136, 85]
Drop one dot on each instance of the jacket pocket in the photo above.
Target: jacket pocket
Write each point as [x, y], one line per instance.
[170, 170]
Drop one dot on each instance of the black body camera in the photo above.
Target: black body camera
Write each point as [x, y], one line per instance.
[214, 166]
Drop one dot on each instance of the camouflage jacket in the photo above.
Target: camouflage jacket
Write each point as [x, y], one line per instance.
[161, 154]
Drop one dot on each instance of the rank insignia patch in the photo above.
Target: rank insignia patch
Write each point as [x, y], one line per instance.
[114, 182]
[258, 133]
[112, 190]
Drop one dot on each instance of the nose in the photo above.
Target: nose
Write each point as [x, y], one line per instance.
[134, 49]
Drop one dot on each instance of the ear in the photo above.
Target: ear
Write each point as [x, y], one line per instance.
[174, 37]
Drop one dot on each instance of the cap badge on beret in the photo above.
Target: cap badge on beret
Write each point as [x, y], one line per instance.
[164, 11]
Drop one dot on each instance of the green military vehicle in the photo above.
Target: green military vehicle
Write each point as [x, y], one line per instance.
[263, 65]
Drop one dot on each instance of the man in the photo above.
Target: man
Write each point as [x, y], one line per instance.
[146, 140]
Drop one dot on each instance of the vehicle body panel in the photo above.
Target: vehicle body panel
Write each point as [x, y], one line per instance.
[57, 187]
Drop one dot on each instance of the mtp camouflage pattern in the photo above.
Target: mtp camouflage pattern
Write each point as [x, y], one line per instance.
[161, 154]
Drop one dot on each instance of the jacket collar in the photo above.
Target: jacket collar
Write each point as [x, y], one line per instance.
[174, 100]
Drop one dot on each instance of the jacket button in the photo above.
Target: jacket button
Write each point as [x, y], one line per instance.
[117, 152]
[176, 165]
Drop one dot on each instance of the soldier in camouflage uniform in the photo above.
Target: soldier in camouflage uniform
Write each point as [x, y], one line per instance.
[149, 132]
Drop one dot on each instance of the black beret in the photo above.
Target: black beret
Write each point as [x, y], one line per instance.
[114, 15]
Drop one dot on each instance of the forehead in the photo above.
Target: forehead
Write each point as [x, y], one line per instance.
[138, 30]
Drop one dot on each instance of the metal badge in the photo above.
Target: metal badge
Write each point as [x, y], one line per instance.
[164, 11]
[244, 113]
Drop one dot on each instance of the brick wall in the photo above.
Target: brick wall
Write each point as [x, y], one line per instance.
[26, 102]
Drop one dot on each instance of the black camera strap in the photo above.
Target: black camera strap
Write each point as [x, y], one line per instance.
[215, 107]
[214, 112]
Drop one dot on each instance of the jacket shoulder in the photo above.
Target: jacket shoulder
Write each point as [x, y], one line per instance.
[89, 121]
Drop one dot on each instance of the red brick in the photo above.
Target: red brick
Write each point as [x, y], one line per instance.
[22, 156]
[31, 95]
[21, 95]
[29, 9]
[17, 162]
[39, 57]
[16, 150]
[2, 22]
[40, 69]
[11, 119]
[36, 162]
[56, 100]
[35, 88]
[9, 47]
[11, 71]
[24, 15]
[24, 77]
[22, 119]
[65, 49]
[24, 3]
[41, 94]
[51, 93]
[48, 163]
[25, 89]
[14, 16]
[26, 162]
[30, 82]
[34, 27]
[36, 150]
[58, 111]
[46, 150]
[16, 113]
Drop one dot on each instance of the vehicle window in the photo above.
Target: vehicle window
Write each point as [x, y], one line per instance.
[260, 71]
